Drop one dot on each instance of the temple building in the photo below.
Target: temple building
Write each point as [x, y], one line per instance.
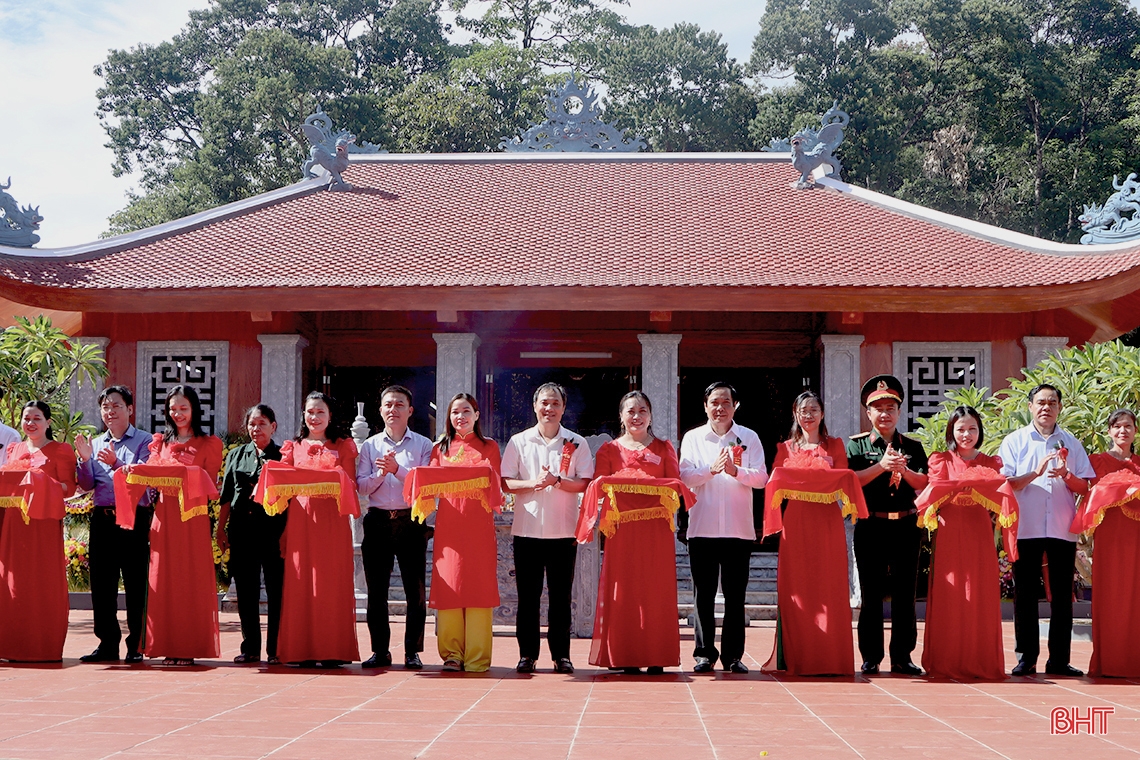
[606, 271]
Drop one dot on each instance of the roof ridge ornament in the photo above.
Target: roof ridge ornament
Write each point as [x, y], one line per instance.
[1107, 223]
[330, 149]
[573, 125]
[17, 225]
[814, 148]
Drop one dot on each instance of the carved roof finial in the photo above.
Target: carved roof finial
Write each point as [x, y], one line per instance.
[573, 124]
[17, 225]
[1108, 223]
[813, 148]
[330, 149]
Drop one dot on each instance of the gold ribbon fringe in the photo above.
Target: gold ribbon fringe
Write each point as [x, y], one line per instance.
[16, 502]
[472, 488]
[670, 503]
[277, 497]
[847, 507]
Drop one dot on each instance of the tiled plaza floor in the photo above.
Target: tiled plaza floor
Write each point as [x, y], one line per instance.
[223, 710]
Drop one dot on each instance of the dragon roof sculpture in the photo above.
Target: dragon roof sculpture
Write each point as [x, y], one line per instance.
[330, 149]
[813, 148]
[573, 124]
[1108, 223]
[17, 225]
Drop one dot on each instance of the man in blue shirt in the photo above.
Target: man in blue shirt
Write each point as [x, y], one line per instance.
[113, 550]
[390, 534]
[1047, 468]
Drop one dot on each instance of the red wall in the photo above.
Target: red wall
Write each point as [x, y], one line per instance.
[125, 330]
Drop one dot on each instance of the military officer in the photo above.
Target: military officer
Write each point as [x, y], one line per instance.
[892, 469]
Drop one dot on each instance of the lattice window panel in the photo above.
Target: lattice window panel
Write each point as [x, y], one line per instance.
[929, 370]
[204, 366]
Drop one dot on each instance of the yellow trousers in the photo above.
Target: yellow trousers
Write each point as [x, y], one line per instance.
[464, 634]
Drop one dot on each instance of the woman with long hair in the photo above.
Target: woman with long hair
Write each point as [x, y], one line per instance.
[1116, 574]
[635, 624]
[963, 636]
[464, 581]
[813, 632]
[318, 605]
[182, 595]
[33, 579]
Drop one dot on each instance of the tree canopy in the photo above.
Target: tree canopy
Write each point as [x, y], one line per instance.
[1012, 112]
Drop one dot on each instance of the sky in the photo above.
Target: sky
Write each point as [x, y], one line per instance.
[51, 141]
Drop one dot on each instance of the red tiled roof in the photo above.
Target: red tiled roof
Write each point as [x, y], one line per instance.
[464, 221]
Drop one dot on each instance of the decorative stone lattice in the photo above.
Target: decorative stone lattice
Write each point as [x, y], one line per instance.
[573, 124]
[202, 365]
[929, 377]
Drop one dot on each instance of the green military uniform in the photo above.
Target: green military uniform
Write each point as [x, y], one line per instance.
[887, 543]
[255, 547]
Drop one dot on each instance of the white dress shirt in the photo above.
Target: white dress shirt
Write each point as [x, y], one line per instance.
[1046, 505]
[551, 512]
[386, 490]
[724, 502]
[7, 435]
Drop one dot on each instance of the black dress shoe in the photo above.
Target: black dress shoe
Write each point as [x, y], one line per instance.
[377, 661]
[1024, 669]
[906, 669]
[412, 661]
[526, 665]
[245, 659]
[133, 658]
[870, 669]
[704, 665]
[1066, 670]
[655, 670]
[563, 665]
[736, 666]
[100, 656]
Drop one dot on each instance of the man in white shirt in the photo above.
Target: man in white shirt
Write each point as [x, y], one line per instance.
[1047, 468]
[546, 467]
[722, 462]
[389, 531]
[7, 435]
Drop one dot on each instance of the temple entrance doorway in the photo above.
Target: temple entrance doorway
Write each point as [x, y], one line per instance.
[765, 395]
[351, 385]
[591, 404]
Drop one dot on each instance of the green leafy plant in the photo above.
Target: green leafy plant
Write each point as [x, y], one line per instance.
[38, 361]
[1094, 380]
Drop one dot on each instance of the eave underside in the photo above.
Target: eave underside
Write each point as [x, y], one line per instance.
[580, 298]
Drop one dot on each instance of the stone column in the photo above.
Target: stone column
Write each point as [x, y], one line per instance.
[1039, 347]
[85, 395]
[281, 380]
[455, 368]
[360, 431]
[841, 378]
[659, 381]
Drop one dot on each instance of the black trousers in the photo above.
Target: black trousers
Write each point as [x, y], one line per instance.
[114, 551]
[533, 557]
[1027, 589]
[723, 560]
[389, 538]
[255, 548]
[887, 554]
